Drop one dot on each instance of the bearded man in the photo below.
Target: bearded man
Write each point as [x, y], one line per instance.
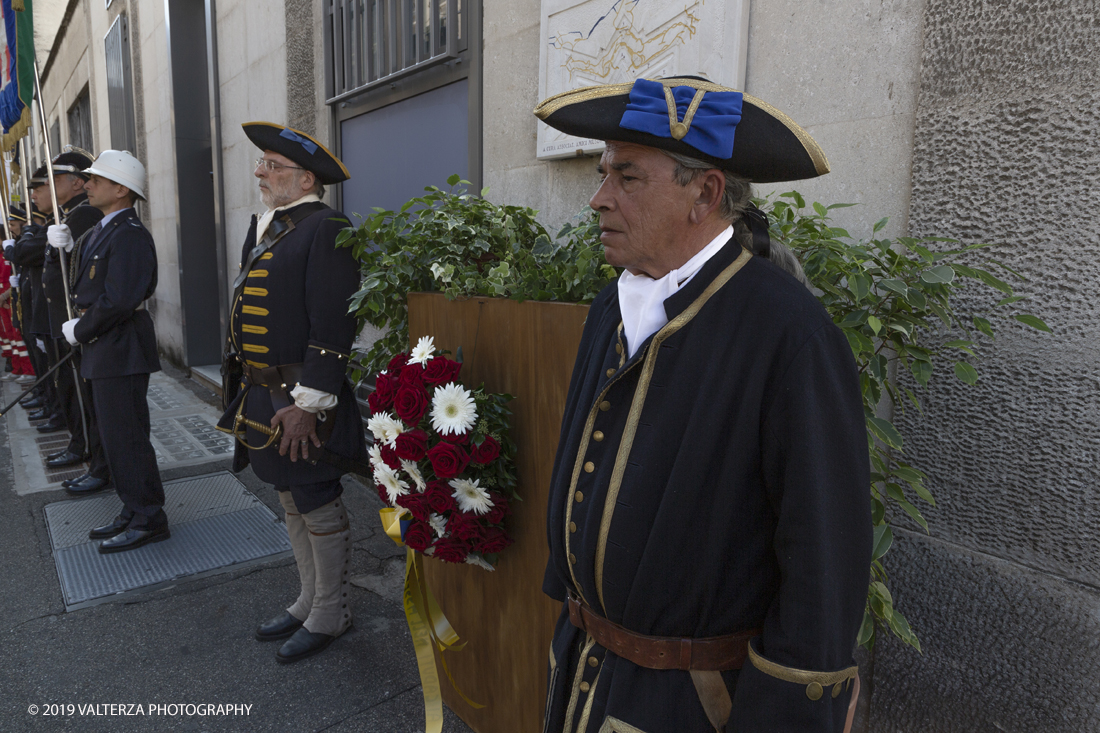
[287, 353]
[709, 517]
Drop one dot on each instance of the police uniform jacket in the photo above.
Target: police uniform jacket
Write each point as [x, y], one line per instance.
[115, 274]
[80, 217]
[293, 310]
[30, 254]
[716, 482]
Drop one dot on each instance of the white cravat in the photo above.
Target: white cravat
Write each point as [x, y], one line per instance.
[267, 216]
[642, 299]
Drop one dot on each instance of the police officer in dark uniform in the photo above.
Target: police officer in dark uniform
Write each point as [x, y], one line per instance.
[77, 217]
[116, 273]
[291, 338]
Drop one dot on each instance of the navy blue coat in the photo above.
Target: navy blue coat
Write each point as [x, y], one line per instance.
[713, 484]
[80, 217]
[115, 273]
[29, 254]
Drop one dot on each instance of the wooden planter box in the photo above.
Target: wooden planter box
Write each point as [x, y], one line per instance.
[526, 350]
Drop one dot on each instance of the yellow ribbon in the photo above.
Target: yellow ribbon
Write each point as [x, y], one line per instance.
[428, 626]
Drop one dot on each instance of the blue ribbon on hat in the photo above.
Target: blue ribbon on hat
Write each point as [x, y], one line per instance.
[309, 145]
[706, 121]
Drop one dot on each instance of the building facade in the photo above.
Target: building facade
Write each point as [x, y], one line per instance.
[966, 119]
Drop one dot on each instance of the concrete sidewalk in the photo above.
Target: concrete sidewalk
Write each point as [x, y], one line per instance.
[190, 643]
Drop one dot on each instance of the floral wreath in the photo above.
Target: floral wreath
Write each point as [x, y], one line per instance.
[442, 457]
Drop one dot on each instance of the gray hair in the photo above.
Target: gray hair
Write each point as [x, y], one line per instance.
[736, 198]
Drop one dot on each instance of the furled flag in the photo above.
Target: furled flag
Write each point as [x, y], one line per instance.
[16, 70]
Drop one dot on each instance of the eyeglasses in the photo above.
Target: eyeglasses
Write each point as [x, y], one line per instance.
[271, 166]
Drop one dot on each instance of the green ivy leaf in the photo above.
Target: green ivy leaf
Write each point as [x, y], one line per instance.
[965, 372]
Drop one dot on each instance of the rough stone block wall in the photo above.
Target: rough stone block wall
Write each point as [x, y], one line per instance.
[1005, 594]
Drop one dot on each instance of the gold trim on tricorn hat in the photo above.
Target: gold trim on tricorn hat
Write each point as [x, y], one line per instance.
[695, 117]
[300, 147]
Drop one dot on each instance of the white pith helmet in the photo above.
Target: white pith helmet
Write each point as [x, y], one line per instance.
[121, 167]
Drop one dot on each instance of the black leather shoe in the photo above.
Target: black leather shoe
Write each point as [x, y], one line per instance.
[34, 403]
[72, 481]
[90, 485]
[117, 526]
[303, 644]
[57, 454]
[65, 459]
[54, 424]
[281, 627]
[40, 414]
[131, 539]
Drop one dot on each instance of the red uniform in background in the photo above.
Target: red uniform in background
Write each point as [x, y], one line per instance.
[11, 341]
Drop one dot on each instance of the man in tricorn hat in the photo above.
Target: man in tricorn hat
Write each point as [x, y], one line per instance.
[115, 273]
[709, 517]
[287, 352]
[77, 217]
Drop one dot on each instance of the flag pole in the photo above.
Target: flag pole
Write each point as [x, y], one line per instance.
[61, 253]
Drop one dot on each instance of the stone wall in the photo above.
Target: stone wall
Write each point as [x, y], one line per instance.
[1005, 593]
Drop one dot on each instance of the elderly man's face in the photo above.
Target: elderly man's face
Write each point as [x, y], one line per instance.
[286, 183]
[642, 209]
[40, 195]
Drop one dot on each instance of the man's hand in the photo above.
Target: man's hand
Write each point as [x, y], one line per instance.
[69, 329]
[299, 428]
[59, 236]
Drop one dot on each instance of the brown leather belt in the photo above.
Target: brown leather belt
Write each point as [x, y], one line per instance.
[716, 653]
[285, 376]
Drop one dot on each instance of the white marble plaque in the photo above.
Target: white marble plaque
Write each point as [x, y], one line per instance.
[613, 41]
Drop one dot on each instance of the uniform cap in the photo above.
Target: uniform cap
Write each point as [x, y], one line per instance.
[120, 167]
[298, 147]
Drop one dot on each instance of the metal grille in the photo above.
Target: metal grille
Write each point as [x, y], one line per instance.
[375, 42]
[80, 122]
[120, 95]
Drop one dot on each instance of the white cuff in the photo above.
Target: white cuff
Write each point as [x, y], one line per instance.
[312, 400]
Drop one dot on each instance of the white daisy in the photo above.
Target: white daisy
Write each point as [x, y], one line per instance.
[395, 487]
[424, 351]
[475, 559]
[385, 428]
[470, 496]
[414, 473]
[438, 523]
[453, 409]
[376, 456]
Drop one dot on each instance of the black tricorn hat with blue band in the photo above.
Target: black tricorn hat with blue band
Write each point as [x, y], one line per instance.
[695, 117]
[299, 147]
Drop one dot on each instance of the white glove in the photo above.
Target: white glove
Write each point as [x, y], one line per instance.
[69, 328]
[41, 344]
[13, 281]
[9, 244]
[59, 235]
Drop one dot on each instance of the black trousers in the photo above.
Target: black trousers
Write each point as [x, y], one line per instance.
[70, 400]
[41, 365]
[123, 416]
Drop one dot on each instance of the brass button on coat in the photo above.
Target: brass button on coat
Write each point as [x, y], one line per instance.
[589, 467]
[813, 691]
[572, 559]
[610, 372]
[597, 436]
[605, 405]
[585, 687]
[572, 526]
[618, 348]
[579, 497]
[593, 662]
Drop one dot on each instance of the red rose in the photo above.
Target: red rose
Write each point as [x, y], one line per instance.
[419, 536]
[385, 386]
[496, 539]
[465, 527]
[377, 404]
[500, 508]
[384, 495]
[447, 460]
[456, 438]
[450, 549]
[487, 452]
[390, 457]
[439, 497]
[411, 446]
[416, 505]
[397, 363]
[441, 370]
[412, 375]
[410, 403]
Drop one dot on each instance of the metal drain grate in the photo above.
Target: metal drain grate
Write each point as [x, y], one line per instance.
[216, 524]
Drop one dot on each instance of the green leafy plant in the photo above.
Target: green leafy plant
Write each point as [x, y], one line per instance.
[462, 245]
[893, 299]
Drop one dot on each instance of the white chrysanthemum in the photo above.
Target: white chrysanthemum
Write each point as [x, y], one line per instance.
[376, 456]
[385, 428]
[453, 410]
[424, 351]
[395, 487]
[414, 473]
[470, 496]
[475, 559]
[438, 523]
